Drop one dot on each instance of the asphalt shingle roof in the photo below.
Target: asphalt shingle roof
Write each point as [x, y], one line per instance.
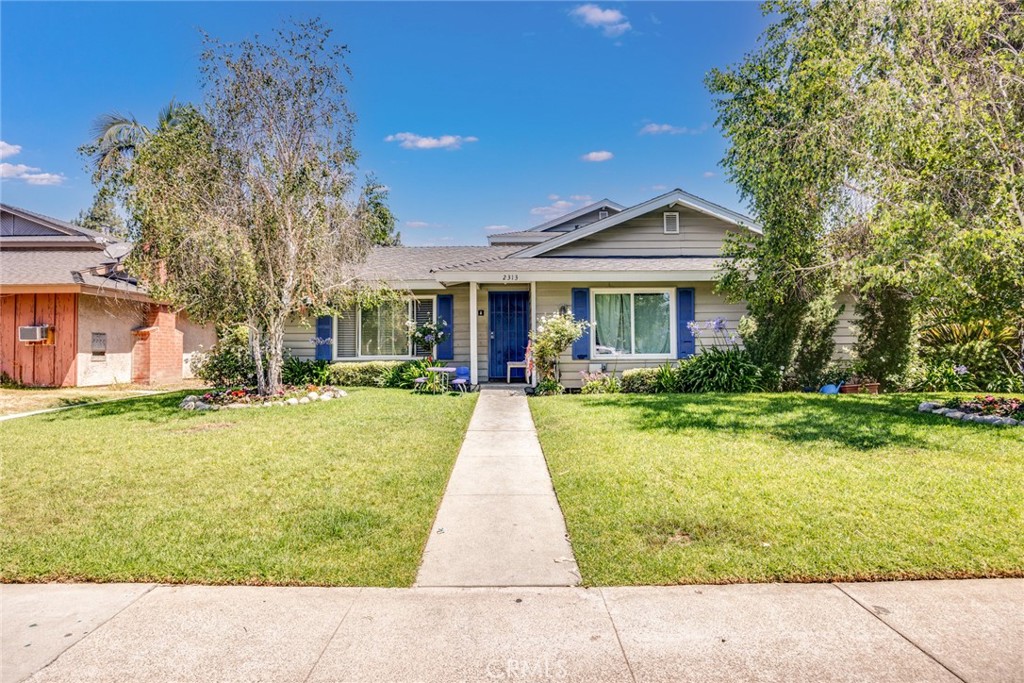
[57, 267]
[420, 263]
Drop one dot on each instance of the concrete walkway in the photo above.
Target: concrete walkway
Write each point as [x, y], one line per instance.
[499, 523]
[906, 631]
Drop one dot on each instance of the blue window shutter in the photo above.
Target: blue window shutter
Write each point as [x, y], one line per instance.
[446, 312]
[324, 331]
[581, 311]
[685, 344]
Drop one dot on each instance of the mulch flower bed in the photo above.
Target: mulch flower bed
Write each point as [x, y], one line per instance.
[995, 410]
[249, 397]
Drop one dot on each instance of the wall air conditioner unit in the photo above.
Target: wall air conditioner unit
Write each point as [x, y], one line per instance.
[33, 333]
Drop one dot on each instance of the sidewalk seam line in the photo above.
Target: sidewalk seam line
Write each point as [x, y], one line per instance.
[98, 627]
[330, 640]
[902, 635]
[618, 638]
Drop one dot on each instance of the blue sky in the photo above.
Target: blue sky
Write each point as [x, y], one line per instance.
[480, 117]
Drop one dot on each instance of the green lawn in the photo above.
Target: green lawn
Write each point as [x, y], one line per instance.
[337, 493]
[715, 489]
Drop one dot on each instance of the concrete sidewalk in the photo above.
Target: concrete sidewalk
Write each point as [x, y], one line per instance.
[499, 523]
[905, 631]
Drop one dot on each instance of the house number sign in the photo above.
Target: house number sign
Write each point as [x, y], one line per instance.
[510, 277]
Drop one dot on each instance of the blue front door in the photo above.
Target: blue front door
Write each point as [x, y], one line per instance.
[509, 331]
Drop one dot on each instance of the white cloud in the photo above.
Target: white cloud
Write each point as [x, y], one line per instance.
[8, 150]
[557, 208]
[659, 187]
[602, 155]
[611, 22]
[560, 207]
[667, 128]
[709, 174]
[418, 224]
[29, 174]
[413, 141]
[497, 228]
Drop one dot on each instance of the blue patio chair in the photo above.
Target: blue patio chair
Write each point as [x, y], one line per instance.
[461, 381]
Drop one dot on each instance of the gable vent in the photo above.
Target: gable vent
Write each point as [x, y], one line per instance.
[671, 222]
[601, 215]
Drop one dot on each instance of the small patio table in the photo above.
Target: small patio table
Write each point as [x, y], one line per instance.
[446, 375]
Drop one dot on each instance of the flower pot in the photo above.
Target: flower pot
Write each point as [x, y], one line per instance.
[849, 389]
[870, 388]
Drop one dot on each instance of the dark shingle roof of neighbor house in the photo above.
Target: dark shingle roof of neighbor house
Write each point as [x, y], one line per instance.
[41, 250]
[59, 267]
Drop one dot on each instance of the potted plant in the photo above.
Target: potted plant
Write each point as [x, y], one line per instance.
[860, 385]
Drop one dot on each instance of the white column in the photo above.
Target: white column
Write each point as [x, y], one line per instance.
[533, 324]
[474, 351]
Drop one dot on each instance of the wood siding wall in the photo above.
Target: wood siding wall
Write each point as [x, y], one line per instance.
[699, 235]
[39, 364]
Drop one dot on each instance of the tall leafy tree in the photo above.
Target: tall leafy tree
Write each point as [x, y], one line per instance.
[883, 142]
[374, 211]
[245, 207]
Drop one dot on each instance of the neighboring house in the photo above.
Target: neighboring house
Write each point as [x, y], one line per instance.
[638, 274]
[71, 316]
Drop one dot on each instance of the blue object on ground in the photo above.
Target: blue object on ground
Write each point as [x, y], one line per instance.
[831, 388]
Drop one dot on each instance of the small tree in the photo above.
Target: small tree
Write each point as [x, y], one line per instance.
[102, 216]
[554, 334]
[244, 206]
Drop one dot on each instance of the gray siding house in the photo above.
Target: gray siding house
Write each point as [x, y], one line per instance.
[638, 274]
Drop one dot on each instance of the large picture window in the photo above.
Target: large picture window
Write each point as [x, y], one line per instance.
[383, 330]
[632, 323]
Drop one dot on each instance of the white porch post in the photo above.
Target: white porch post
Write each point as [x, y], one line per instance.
[533, 324]
[474, 351]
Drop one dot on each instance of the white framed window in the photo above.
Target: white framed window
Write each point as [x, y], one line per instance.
[382, 332]
[601, 215]
[634, 323]
[671, 222]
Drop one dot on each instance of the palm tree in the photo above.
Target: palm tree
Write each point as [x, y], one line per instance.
[118, 138]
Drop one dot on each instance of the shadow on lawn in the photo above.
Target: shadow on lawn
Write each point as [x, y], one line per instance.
[159, 408]
[861, 423]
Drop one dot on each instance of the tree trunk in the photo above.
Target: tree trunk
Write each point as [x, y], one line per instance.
[275, 355]
[256, 349]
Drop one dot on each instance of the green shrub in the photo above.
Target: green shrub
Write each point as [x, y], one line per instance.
[364, 374]
[229, 363]
[815, 345]
[726, 370]
[600, 383]
[640, 380]
[297, 372]
[548, 387]
[667, 379]
[404, 374]
[990, 351]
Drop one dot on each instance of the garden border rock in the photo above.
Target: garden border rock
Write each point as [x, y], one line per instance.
[939, 409]
[194, 402]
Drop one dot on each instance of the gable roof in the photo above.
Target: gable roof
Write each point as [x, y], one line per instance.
[410, 264]
[670, 198]
[47, 229]
[568, 217]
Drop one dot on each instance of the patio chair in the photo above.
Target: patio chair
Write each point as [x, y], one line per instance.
[419, 383]
[461, 381]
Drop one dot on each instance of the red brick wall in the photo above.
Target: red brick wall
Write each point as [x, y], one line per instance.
[156, 355]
